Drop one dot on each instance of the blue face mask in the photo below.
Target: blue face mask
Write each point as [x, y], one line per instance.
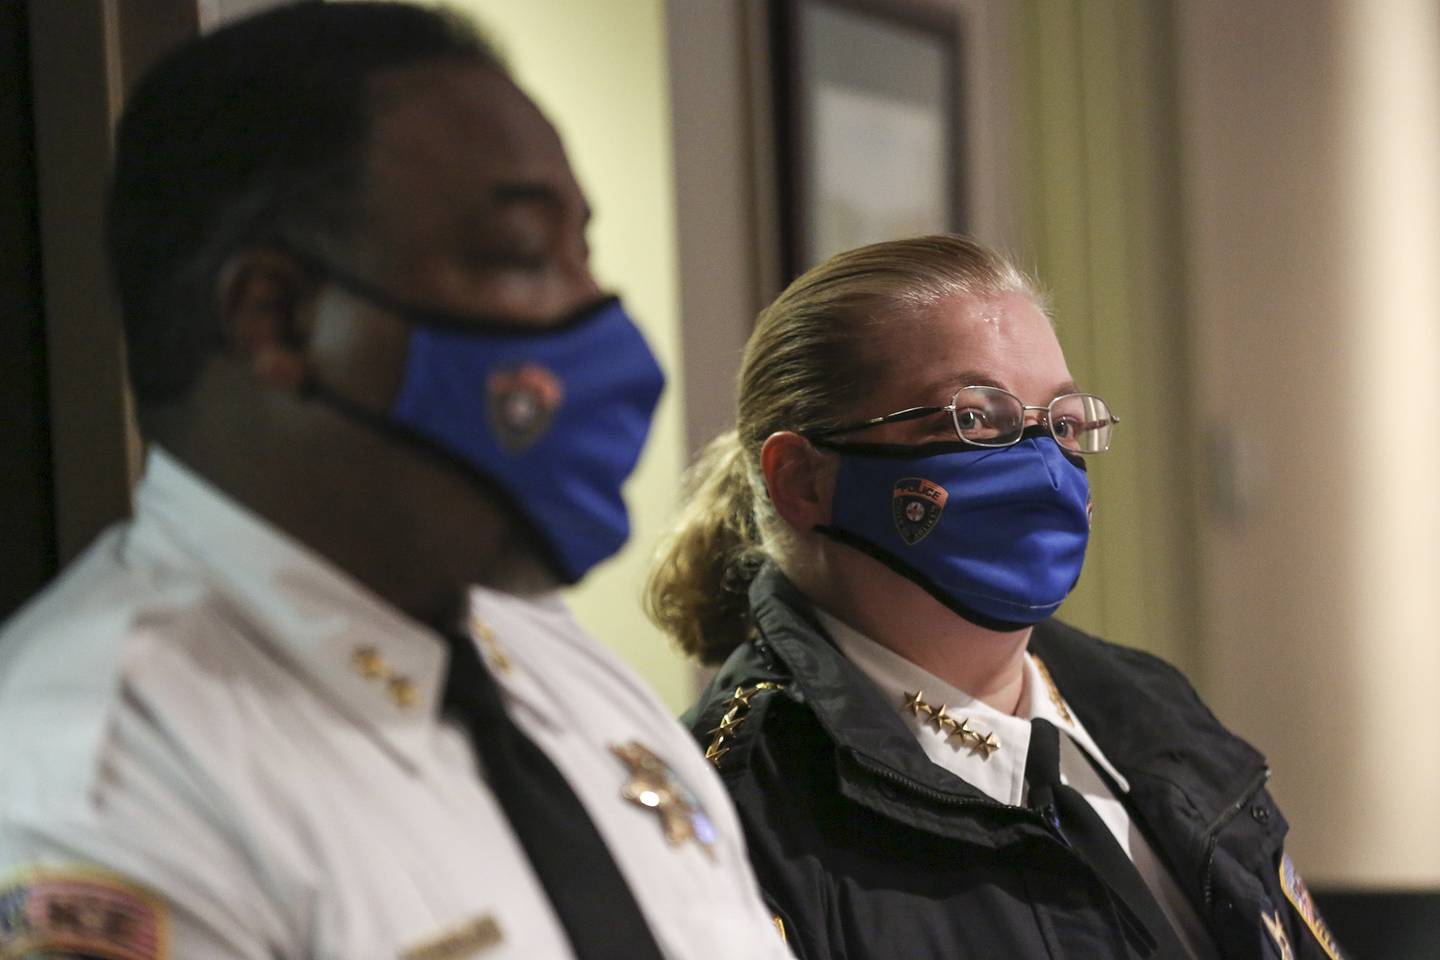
[997, 535]
[553, 419]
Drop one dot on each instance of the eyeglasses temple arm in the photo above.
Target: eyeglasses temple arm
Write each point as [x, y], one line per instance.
[913, 413]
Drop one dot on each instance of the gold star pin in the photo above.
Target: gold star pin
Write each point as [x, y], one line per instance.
[951, 727]
[728, 724]
[485, 635]
[368, 662]
[403, 692]
[738, 713]
[1059, 702]
[655, 786]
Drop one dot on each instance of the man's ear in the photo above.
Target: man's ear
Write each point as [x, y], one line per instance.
[265, 301]
[799, 479]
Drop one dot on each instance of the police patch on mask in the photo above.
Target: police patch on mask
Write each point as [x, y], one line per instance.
[81, 913]
[916, 505]
[522, 402]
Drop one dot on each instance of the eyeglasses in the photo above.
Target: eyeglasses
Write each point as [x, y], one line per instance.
[991, 417]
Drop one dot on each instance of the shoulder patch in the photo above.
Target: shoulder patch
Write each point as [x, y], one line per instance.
[1299, 897]
[81, 912]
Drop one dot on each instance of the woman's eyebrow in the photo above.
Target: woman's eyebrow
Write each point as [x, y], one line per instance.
[975, 378]
[967, 378]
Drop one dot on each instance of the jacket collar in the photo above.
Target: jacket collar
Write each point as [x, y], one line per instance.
[1165, 742]
[880, 764]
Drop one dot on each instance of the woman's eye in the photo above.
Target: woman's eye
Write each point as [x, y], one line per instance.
[1064, 427]
[970, 419]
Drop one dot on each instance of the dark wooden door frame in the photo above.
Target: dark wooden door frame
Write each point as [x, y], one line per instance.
[84, 55]
[27, 520]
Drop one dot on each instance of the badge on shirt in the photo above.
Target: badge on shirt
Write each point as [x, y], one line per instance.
[81, 912]
[1299, 897]
[656, 787]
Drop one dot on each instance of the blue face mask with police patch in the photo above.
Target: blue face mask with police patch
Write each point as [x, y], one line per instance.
[552, 419]
[996, 534]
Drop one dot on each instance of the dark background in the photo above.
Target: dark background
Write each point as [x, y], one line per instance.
[27, 510]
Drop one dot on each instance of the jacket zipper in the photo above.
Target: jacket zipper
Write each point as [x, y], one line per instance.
[1213, 833]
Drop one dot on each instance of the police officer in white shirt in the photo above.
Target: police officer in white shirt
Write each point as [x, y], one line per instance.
[319, 698]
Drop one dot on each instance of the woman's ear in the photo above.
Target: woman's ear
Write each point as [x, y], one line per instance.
[265, 303]
[798, 478]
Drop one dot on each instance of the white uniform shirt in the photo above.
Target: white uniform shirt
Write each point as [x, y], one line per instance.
[247, 747]
[1000, 775]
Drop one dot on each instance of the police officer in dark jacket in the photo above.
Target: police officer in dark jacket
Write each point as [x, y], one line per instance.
[927, 764]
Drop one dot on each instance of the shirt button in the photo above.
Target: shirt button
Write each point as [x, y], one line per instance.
[1260, 813]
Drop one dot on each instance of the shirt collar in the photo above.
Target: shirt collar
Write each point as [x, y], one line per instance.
[1042, 699]
[1001, 773]
[381, 668]
[518, 637]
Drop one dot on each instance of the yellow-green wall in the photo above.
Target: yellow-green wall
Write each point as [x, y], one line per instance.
[598, 70]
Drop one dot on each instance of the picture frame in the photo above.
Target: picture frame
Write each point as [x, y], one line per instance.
[869, 125]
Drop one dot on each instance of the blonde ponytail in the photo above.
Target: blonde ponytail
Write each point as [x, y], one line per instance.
[697, 590]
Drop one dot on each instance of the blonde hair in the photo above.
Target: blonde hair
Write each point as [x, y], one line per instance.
[803, 366]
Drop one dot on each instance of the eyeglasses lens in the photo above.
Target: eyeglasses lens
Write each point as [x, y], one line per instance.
[991, 417]
[988, 417]
[1081, 422]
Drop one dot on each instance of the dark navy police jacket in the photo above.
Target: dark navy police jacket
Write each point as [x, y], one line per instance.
[866, 849]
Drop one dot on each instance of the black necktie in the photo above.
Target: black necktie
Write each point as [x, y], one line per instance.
[1070, 813]
[592, 900]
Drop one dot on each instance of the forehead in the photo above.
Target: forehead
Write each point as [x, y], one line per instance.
[443, 137]
[1005, 340]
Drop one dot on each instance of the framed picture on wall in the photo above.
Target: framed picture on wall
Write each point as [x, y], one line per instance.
[869, 126]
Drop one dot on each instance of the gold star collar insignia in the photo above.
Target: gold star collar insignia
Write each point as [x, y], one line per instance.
[951, 728]
[734, 718]
[1060, 706]
[656, 787]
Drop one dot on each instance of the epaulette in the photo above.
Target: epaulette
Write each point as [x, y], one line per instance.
[737, 711]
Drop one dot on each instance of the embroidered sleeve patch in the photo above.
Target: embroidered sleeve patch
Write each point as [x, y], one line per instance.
[1299, 897]
[81, 913]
